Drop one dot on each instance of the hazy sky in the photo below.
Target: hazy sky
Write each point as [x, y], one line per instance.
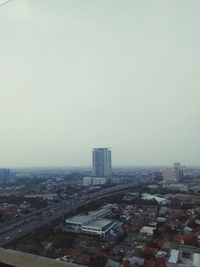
[78, 74]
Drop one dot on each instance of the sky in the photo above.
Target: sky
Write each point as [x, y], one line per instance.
[78, 74]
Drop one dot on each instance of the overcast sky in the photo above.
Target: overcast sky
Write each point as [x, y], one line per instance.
[78, 74]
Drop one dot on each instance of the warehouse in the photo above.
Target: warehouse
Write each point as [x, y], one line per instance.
[89, 225]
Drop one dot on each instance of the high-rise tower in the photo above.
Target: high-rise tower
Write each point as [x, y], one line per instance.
[174, 174]
[101, 163]
[4, 175]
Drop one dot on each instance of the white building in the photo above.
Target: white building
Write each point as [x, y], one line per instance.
[89, 225]
[101, 163]
[147, 230]
[99, 227]
[173, 174]
[93, 223]
[173, 258]
[185, 256]
[51, 197]
[99, 214]
[98, 180]
[170, 175]
[76, 223]
[87, 181]
[90, 181]
[159, 200]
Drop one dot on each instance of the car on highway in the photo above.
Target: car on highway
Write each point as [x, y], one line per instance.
[7, 237]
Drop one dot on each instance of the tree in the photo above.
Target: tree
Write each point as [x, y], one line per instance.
[97, 261]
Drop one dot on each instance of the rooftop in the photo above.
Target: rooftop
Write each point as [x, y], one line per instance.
[196, 259]
[79, 219]
[173, 256]
[100, 223]
[147, 196]
[147, 230]
[98, 212]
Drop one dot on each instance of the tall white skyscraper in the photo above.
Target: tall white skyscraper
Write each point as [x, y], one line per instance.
[174, 174]
[177, 165]
[170, 175]
[101, 163]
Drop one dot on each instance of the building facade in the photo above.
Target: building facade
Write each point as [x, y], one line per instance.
[4, 175]
[170, 175]
[101, 163]
[93, 223]
[184, 256]
[90, 181]
[173, 174]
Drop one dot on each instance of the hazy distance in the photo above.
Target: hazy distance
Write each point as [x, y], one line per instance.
[82, 74]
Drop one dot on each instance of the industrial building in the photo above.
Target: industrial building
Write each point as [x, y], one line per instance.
[93, 223]
[160, 200]
[102, 213]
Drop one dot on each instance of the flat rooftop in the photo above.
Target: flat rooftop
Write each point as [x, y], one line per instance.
[97, 212]
[173, 256]
[148, 229]
[79, 219]
[196, 259]
[101, 223]
[148, 196]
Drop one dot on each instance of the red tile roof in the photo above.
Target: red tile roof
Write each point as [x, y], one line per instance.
[148, 263]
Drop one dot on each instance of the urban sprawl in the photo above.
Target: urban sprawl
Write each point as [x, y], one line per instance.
[103, 216]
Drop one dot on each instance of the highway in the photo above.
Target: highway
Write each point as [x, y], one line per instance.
[47, 216]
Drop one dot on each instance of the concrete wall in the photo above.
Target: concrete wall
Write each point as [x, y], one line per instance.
[20, 259]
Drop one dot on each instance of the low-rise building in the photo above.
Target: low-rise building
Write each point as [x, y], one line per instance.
[89, 225]
[102, 213]
[50, 197]
[176, 187]
[184, 256]
[92, 181]
[99, 227]
[147, 230]
[159, 200]
[93, 223]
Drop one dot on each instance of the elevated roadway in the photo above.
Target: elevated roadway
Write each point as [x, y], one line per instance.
[50, 214]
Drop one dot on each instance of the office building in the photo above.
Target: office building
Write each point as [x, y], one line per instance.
[177, 165]
[102, 167]
[173, 174]
[179, 172]
[170, 175]
[4, 175]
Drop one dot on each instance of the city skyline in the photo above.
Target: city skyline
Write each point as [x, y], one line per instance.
[80, 74]
[100, 133]
[89, 166]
